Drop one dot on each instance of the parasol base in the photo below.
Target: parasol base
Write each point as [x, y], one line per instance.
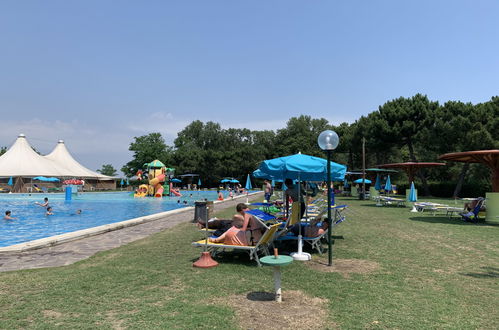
[205, 261]
[414, 210]
[301, 256]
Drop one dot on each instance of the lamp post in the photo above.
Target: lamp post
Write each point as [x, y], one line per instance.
[328, 141]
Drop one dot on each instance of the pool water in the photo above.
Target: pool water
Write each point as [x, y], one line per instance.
[97, 209]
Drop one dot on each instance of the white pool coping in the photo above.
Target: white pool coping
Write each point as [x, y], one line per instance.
[84, 233]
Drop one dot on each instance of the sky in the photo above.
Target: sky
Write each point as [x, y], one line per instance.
[99, 73]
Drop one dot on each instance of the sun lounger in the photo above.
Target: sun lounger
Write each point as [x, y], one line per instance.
[385, 200]
[316, 242]
[261, 246]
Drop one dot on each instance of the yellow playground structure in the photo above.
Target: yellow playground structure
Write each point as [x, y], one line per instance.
[159, 183]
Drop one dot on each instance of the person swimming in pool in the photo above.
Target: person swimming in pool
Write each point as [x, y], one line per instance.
[49, 211]
[44, 204]
[8, 216]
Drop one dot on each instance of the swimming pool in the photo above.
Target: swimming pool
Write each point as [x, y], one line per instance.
[97, 209]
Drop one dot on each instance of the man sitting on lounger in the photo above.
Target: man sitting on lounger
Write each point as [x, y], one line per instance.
[312, 230]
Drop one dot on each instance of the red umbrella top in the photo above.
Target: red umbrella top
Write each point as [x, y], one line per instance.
[411, 167]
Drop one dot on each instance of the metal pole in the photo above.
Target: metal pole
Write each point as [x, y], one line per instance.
[329, 220]
[363, 168]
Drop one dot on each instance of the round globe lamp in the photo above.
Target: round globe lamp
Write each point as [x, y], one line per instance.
[328, 141]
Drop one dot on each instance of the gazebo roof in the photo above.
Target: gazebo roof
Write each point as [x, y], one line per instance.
[411, 165]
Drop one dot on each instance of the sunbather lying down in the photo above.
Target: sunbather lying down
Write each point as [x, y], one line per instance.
[245, 221]
[233, 236]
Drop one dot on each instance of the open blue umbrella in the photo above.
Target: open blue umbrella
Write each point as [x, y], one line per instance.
[10, 183]
[360, 181]
[234, 181]
[176, 180]
[225, 180]
[302, 167]
[377, 185]
[412, 193]
[42, 178]
[248, 183]
[388, 185]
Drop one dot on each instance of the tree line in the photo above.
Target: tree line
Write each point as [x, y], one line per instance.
[403, 129]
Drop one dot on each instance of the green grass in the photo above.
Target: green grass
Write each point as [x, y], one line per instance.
[434, 272]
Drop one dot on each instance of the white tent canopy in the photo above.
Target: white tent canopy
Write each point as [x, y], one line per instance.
[21, 160]
[60, 155]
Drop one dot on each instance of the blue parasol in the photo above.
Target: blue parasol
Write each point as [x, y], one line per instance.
[388, 185]
[121, 182]
[412, 193]
[127, 182]
[302, 167]
[199, 182]
[10, 183]
[234, 181]
[176, 180]
[272, 184]
[360, 181]
[42, 178]
[248, 183]
[225, 180]
[345, 183]
[377, 185]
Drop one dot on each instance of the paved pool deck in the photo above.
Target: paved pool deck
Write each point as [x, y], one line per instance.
[68, 252]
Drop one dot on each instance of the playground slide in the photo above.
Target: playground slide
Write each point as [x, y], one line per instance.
[176, 192]
[159, 191]
[156, 180]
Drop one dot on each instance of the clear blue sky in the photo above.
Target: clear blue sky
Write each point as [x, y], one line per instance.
[98, 73]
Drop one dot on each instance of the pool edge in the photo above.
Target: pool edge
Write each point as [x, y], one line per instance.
[84, 233]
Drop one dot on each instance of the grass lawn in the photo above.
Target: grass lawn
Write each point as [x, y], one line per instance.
[431, 272]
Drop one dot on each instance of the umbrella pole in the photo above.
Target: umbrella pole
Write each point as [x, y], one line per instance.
[300, 255]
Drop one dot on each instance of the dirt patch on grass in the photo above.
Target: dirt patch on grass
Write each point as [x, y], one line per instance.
[52, 314]
[344, 266]
[116, 322]
[258, 310]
